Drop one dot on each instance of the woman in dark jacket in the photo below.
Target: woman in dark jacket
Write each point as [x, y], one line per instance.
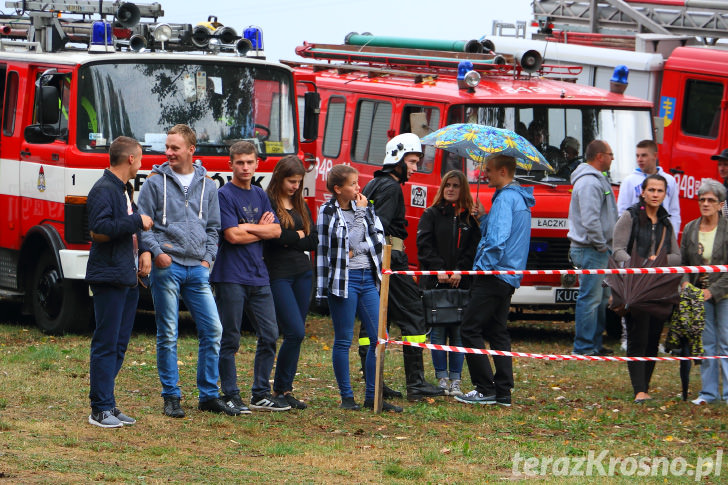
[290, 270]
[447, 237]
[705, 241]
[645, 227]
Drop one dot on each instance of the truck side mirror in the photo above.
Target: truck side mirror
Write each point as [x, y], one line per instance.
[49, 108]
[659, 129]
[34, 134]
[48, 111]
[311, 110]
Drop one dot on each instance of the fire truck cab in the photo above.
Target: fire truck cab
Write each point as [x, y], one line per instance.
[676, 54]
[374, 93]
[62, 107]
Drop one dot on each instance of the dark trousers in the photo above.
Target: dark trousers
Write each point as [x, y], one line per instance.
[643, 338]
[115, 309]
[405, 303]
[291, 297]
[485, 319]
[232, 299]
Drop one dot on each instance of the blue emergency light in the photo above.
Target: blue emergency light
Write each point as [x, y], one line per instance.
[97, 33]
[255, 36]
[621, 73]
[463, 68]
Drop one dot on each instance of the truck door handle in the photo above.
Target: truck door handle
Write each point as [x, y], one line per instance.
[55, 157]
[674, 171]
[24, 153]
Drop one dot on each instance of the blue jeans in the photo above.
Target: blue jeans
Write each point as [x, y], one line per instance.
[363, 301]
[115, 309]
[591, 304]
[715, 342]
[232, 300]
[291, 297]
[439, 335]
[192, 284]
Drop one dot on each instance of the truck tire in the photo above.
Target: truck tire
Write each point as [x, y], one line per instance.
[59, 306]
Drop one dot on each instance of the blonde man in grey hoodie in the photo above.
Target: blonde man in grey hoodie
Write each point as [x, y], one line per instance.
[592, 216]
[182, 201]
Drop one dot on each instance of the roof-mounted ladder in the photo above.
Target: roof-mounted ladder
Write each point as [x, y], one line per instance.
[706, 19]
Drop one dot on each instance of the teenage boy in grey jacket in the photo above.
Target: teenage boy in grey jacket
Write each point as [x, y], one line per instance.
[183, 203]
[592, 217]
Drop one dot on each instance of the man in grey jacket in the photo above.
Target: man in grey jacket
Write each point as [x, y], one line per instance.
[592, 216]
[182, 201]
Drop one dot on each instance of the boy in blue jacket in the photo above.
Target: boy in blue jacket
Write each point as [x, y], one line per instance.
[506, 236]
[112, 271]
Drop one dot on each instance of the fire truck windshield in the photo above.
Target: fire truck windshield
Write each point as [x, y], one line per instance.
[561, 134]
[222, 102]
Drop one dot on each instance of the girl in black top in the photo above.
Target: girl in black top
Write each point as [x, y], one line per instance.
[447, 238]
[290, 270]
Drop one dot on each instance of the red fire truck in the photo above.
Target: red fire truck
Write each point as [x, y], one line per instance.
[369, 93]
[676, 54]
[62, 106]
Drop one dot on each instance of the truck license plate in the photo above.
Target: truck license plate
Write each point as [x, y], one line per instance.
[566, 295]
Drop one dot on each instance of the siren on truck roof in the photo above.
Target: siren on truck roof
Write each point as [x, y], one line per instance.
[43, 26]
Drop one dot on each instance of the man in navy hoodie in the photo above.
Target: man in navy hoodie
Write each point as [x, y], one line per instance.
[506, 236]
[183, 203]
[112, 271]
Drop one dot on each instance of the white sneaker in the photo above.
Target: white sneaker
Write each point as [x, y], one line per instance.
[699, 401]
[444, 384]
[455, 388]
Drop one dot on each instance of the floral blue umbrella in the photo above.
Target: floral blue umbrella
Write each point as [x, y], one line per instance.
[478, 142]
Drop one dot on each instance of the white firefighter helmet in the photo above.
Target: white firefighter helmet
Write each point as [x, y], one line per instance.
[399, 146]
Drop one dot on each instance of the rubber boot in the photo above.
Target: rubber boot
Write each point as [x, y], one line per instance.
[388, 393]
[417, 387]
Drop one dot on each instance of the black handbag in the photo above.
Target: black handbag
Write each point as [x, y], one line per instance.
[445, 306]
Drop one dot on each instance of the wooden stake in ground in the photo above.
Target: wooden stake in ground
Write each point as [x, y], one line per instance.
[382, 331]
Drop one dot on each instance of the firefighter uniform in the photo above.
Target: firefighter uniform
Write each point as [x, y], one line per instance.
[405, 305]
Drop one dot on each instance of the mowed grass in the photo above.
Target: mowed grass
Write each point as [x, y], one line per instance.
[561, 409]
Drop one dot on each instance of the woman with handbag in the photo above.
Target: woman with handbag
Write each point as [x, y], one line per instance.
[447, 238]
[348, 272]
[645, 228]
[704, 241]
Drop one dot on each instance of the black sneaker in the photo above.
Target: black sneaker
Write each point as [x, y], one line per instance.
[385, 406]
[293, 402]
[172, 407]
[349, 404]
[503, 400]
[217, 405]
[237, 403]
[269, 403]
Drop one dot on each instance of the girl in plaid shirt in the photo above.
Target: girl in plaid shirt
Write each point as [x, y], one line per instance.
[348, 265]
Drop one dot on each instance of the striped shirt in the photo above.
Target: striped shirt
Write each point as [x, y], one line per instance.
[332, 252]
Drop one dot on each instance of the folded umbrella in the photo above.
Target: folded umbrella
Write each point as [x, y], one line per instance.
[652, 293]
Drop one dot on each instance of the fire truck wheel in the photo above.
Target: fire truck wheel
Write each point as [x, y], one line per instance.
[59, 305]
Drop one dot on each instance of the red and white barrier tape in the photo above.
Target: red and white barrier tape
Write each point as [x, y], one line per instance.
[503, 353]
[718, 268]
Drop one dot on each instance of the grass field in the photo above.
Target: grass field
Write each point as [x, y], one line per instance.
[562, 410]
